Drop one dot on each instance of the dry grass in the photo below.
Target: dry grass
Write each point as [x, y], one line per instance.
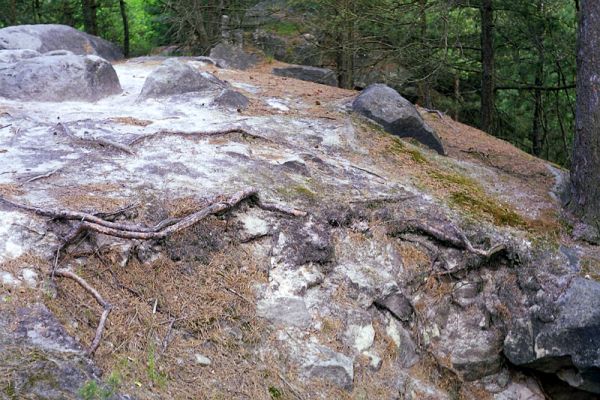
[93, 197]
[11, 189]
[131, 121]
[166, 313]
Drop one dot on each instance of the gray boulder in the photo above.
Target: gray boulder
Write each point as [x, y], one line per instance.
[174, 77]
[285, 310]
[228, 56]
[397, 115]
[323, 76]
[321, 362]
[568, 346]
[231, 99]
[44, 38]
[59, 78]
[39, 360]
[12, 56]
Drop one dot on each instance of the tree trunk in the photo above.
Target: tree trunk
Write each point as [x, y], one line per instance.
[89, 16]
[487, 63]
[13, 12]
[345, 53]
[536, 143]
[585, 171]
[123, 8]
[424, 89]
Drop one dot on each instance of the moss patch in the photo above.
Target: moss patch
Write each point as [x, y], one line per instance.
[467, 195]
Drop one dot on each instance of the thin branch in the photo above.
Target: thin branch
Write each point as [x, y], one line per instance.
[103, 303]
[46, 175]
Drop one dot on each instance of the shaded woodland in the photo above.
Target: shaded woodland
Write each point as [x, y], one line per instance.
[507, 67]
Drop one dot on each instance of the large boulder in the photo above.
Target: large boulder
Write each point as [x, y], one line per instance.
[44, 38]
[323, 76]
[229, 56]
[12, 56]
[58, 77]
[174, 77]
[568, 344]
[397, 115]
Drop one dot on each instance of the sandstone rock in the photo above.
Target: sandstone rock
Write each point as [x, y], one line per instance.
[323, 363]
[285, 310]
[323, 76]
[44, 38]
[174, 77]
[229, 56]
[397, 115]
[59, 78]
[231, 99]
[570, 344]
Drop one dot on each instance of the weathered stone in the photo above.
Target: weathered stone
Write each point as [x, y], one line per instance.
[44, 38]
[360, 337]
[321, 362]
[231, 99]
[202, 360]
[174, 77]
[59, 78]
[285, 310]
[569, 343]
[474, 351]
[229, 56]
[323, 76]
[40, 360]
[11, 56]
[397, 115]
[397, 304]
[407, 349]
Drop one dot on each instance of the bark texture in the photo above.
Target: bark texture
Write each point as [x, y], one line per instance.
[585, 171]
[487, 62]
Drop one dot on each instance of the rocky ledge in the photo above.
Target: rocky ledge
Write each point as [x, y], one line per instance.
[326, 257]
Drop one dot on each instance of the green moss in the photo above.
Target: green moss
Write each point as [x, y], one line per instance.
[297, 191]
[398, 147]
[467, 195]
[283, 28]
[591, 268]
[158, 378]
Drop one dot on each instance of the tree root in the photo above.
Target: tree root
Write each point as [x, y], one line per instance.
[197, 134]
[103, 303]
[62, 128]
[459, 240]
[167, 227]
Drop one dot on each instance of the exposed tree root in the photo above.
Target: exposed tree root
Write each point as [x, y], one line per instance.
[459, 240]
[103, 303]
[62, 128]
[196, 134]
[86, 222]
[46, 175]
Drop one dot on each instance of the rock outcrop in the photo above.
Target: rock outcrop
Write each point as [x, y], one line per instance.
[174, 77]
[229, 56]
[56, 76]
[359, 266]
[561, 337]
[40, 360]
[45, 38]
[323, 76]
[397, 115]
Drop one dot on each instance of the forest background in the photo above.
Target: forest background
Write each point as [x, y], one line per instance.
[507, 67]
